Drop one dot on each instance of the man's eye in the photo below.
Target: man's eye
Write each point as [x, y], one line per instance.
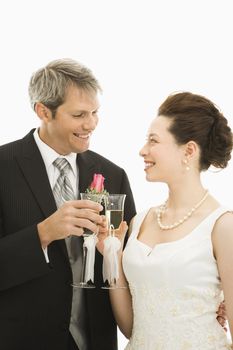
[78, 115]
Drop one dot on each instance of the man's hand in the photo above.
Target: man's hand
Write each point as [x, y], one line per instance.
[70, 219]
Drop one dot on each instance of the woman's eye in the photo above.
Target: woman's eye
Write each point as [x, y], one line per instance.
[152, 141]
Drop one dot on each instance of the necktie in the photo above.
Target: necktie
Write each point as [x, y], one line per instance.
[63, 191]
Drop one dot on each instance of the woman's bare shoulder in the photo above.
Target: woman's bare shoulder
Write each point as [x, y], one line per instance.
[223, 229]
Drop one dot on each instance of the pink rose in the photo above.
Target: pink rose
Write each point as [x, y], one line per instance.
[97, 183]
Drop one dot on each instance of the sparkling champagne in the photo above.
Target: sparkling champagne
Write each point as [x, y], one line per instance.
[114, 217]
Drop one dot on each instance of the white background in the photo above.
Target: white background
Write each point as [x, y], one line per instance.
[140, 51]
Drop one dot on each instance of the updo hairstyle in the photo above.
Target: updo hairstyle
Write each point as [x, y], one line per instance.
[196, 118]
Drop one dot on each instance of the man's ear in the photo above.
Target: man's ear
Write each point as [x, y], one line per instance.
[43, 112]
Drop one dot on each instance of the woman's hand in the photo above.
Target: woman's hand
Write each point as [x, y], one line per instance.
[104, 232]
[222, 316]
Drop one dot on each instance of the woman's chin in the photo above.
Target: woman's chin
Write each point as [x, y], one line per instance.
[150, 178]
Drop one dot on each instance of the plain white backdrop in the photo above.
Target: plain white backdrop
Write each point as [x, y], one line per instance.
[140, 51]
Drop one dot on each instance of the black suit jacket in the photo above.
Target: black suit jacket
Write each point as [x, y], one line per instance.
[35, 297]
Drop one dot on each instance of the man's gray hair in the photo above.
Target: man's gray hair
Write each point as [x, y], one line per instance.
[49, 84]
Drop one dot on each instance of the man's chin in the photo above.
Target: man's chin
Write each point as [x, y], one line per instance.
[81, 149]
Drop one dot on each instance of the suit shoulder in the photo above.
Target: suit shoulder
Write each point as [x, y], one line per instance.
[8, 150]
[104, 161]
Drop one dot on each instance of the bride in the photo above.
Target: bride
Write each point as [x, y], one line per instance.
[178, 261]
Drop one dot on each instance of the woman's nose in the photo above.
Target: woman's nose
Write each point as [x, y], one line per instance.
[143, 151]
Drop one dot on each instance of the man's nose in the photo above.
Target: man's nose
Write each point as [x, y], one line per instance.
[90, 122]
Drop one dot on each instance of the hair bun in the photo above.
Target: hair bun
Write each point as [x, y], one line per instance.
[219, 143]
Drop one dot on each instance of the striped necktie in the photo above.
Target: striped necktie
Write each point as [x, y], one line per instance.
[63, 190]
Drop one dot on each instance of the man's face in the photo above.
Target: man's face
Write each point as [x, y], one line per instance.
[75, 120]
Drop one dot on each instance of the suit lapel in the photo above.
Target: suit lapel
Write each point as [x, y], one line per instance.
[87, 166]
[34, 171]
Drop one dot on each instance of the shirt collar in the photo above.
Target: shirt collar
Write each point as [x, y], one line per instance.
[49, 154]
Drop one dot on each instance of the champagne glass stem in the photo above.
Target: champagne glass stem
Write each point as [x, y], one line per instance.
[84, 264]
[83, 283]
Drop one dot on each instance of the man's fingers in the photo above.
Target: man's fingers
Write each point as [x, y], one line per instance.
[88, 214]
[77, 231]
[83, 203]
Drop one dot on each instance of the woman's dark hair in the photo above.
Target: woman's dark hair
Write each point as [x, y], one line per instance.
[196, 118]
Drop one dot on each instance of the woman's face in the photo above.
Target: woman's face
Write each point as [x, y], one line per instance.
[163, 157]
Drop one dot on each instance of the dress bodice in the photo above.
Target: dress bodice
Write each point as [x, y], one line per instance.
[176, 290]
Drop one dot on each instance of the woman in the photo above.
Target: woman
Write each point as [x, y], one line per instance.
[179, 257]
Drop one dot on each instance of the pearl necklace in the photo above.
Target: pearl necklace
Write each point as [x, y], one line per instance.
[163, 207]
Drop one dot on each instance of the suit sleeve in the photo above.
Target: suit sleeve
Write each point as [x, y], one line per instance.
[130, 209]
[21, 257]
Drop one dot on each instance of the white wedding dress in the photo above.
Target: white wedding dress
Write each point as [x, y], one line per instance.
[175, 290]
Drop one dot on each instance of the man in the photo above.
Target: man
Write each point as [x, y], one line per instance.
[39, 309]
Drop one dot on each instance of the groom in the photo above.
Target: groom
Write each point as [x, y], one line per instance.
[39, 309]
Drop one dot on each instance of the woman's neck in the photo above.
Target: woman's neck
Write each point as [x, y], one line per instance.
[185, 195]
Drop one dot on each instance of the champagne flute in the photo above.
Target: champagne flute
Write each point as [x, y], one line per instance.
[90, 240]
[114, 211]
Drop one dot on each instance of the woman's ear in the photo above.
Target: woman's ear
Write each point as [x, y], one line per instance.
[191, 150]
[191, 155]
